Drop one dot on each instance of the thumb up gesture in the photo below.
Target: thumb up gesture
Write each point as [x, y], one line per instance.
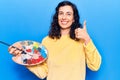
[81, 33]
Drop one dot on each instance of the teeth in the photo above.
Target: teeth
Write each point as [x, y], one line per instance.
[64, 22]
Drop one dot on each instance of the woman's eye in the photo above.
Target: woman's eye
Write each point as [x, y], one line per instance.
[60, 13]
[69, 14]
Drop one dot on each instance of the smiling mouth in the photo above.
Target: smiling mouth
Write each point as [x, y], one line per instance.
[64, 22]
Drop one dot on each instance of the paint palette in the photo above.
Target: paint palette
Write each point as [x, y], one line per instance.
[33, 53]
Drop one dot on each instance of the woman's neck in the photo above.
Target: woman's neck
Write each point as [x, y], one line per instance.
[65, 31]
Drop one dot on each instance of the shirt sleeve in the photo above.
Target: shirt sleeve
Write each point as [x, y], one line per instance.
[40, 70]
[93, 57]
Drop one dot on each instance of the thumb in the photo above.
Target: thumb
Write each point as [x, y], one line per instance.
[84, 25]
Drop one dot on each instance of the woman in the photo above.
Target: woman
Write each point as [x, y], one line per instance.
[69, 45]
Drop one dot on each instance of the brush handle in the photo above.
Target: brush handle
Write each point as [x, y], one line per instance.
[5, 43]
[23, 52]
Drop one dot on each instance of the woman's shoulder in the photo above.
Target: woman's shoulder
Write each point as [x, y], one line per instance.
[46, 39]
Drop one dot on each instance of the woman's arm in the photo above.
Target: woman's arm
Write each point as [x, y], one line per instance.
[93, 57]
[40, 70]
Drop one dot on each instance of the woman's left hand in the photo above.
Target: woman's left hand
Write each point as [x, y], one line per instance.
[82, 33]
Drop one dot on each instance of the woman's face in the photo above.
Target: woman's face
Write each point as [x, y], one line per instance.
[65, 17]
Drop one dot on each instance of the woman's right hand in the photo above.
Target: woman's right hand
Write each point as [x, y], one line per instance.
[15, 49]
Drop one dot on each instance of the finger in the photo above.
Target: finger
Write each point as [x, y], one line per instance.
[16, 52]
[17, 45]
[84, 25]
[76, 30]
[12, 50]
[9, 49]
[78, 36]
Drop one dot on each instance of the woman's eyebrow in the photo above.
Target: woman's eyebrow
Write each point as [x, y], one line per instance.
[66, 12]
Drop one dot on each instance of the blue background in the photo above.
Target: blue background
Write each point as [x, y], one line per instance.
[30, 20]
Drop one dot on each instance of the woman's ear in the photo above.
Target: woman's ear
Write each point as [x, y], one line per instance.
[73, 21]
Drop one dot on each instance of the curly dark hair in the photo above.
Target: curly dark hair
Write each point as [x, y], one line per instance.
[55, 28]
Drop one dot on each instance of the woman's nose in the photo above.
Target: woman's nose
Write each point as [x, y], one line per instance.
[64, 16]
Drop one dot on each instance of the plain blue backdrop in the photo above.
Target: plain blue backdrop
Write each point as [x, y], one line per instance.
[30, 20]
